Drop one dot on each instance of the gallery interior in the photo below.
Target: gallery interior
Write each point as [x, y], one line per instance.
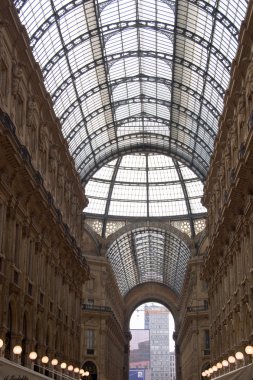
[126, 176]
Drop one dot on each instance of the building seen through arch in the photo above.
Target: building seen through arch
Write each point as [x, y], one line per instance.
[126, 140]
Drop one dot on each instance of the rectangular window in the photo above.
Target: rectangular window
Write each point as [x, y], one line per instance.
[17, 245]
[207, 339]
[3, 78]
[90, 337]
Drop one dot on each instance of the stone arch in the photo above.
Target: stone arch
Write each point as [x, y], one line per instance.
[94, 240]
[151, 292]
[25, 337]
[90, 365]
[14, 313]
[153, 224]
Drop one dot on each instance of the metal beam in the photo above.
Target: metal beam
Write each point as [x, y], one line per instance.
[107, 30]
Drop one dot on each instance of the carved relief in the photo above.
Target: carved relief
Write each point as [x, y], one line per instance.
[43, 148]
[31, 123]
[16, 77]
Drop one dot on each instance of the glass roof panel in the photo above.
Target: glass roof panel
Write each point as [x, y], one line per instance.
[132, 81]
[146, 185]
[148, 255]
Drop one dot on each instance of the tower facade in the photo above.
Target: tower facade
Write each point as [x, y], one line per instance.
[161, 359]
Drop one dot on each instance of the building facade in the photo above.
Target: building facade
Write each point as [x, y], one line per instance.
[162, 360]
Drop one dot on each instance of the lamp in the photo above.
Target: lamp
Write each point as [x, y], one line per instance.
[33, 355]
[70, 368]
[224, 363]
[54, 362]
[63, 365]
[17, 350]
[1, 343]
[45, 359]
[248, 350]
[203, 374]
[239, 355]
[76, 370]
[219, 365]
[231, 359]
[214, 368]
[81, 372]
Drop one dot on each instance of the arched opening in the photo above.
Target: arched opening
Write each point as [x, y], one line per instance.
[152, 349]
[24, 342]
[90, 368]
[8, 336]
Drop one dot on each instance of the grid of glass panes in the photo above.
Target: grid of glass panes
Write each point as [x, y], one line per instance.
[108, 62]
[148, 255]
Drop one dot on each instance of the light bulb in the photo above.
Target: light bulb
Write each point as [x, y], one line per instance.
[63, 365]
[33, 355]
[219, 365]
[224, 363]
[81, 372]
[70, 368]
[45, 359]
[239, 355]
[215, 369]
[249, 350]
[17, 350]
[76, 370]
[231, 359]
[54, 362]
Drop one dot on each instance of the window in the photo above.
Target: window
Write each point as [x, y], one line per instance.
[90, 335]
[207, 339]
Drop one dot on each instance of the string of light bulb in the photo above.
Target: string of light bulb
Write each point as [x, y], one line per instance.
[17, 350]
[227, 363]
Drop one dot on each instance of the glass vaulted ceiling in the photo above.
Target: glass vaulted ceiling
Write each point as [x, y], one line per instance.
[144, 186]
[135, 75]
[138, 76]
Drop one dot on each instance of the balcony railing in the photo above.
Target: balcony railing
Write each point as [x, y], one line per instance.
[194, 309]
[90, 307]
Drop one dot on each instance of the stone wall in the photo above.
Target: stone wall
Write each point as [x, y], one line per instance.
[228, 197]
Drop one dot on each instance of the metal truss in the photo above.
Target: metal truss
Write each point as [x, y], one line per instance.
[144, 99]
[111, 126]
[109, 30]
[137, 78]
[142, 265]
[154, 143]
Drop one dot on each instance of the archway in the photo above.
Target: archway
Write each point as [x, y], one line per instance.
[152, 349]
[91, 368]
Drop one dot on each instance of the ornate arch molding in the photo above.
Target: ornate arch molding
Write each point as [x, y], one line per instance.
[151, 292]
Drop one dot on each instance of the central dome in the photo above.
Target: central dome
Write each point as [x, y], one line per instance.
[145, 186]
